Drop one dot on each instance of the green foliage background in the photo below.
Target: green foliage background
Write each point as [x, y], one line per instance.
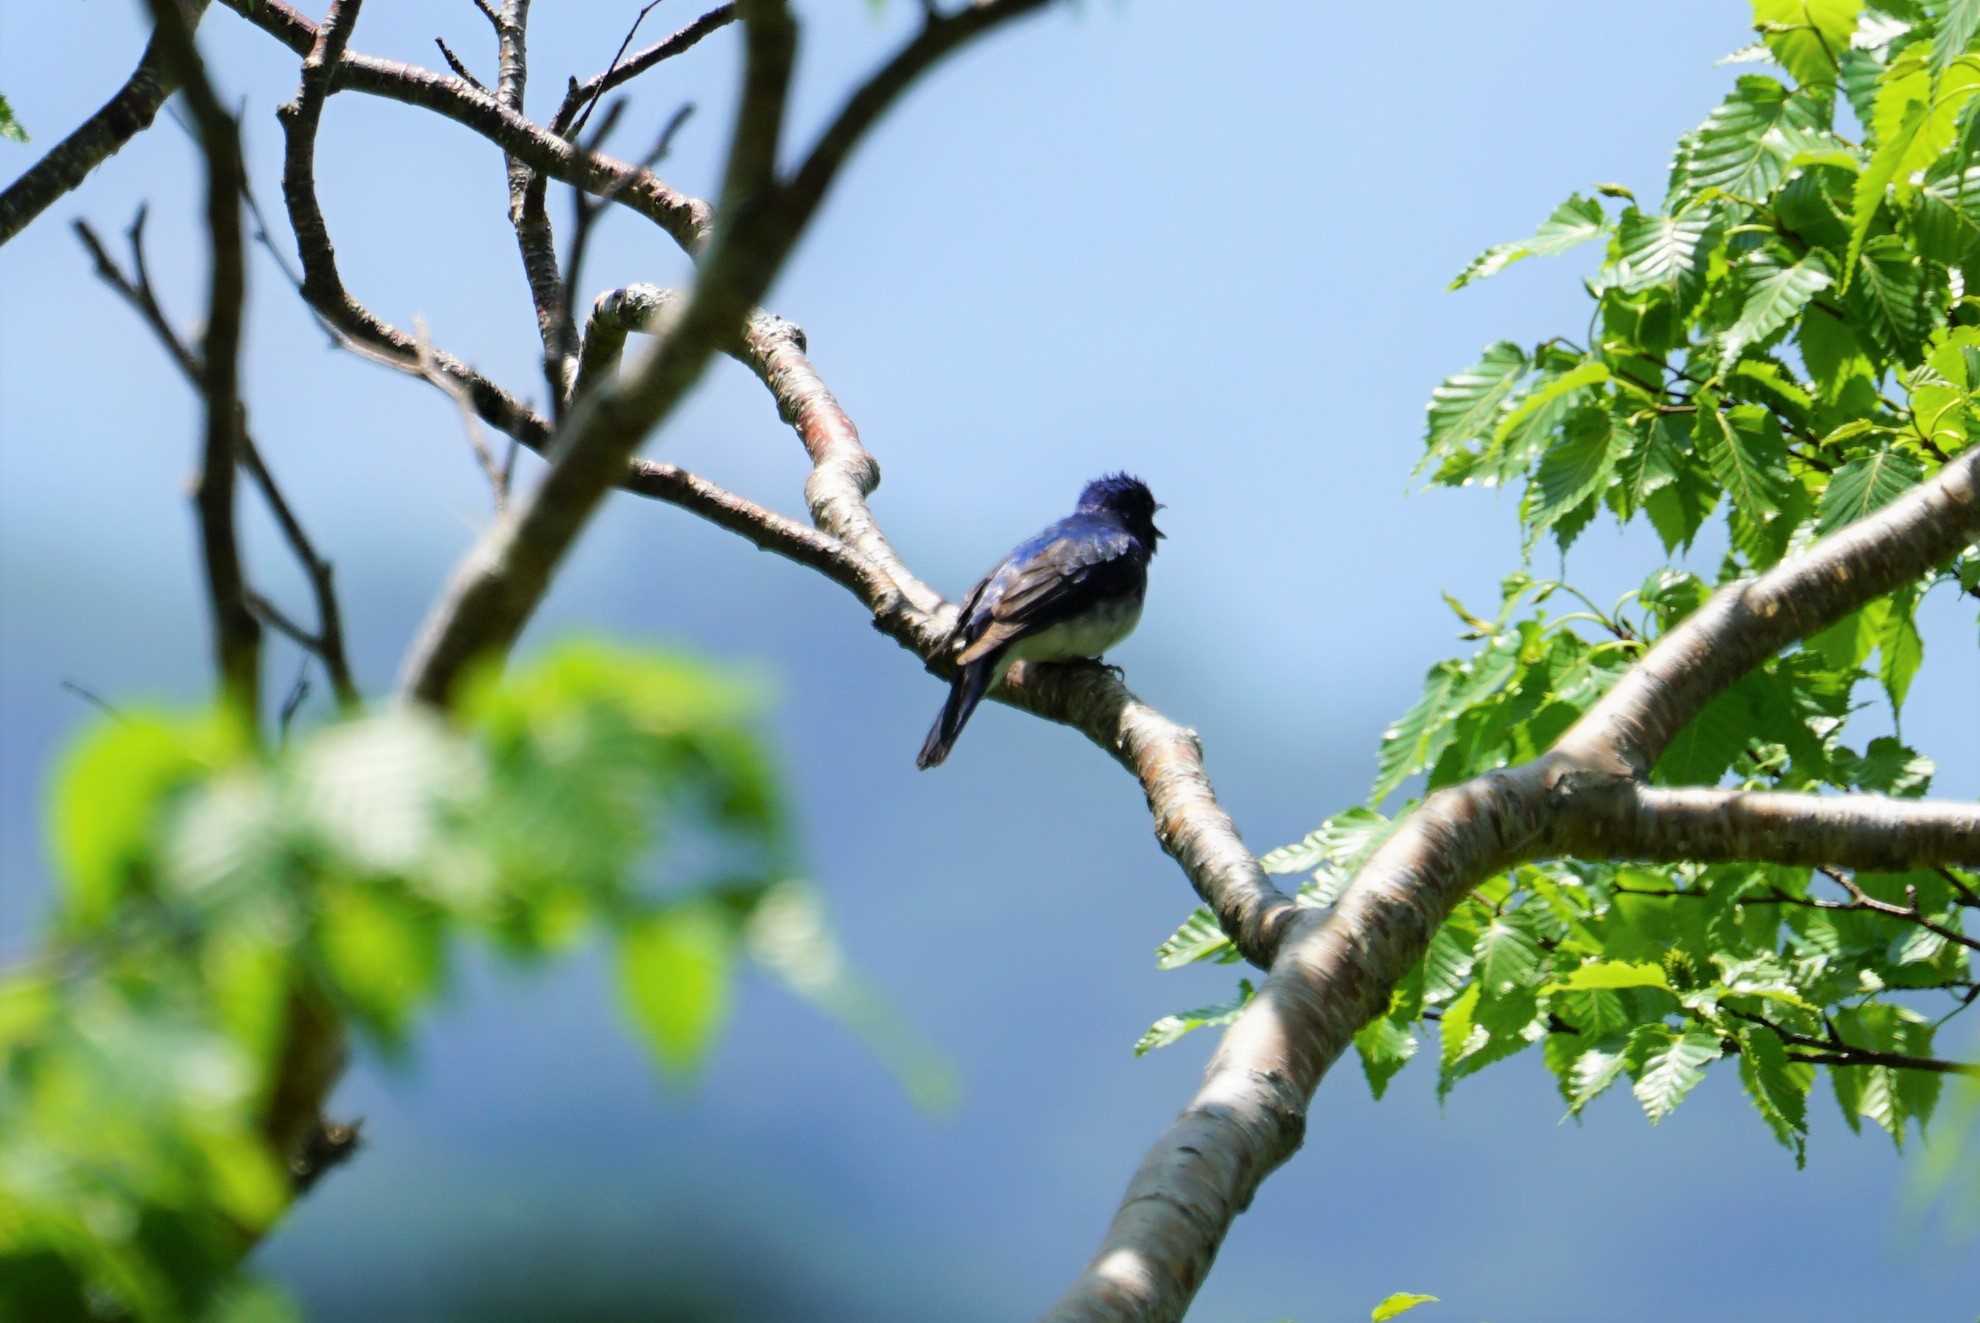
[1787, 340]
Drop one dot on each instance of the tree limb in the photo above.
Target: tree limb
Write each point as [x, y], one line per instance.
[685, 219]
[327, 643]
[1330, 975]
[128, 112]
[236, 632]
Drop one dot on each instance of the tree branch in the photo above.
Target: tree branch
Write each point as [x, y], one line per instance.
[685, 219]
[236, 632]
[1330, 975]
[128, 112]
[1628, 820]
[328, 641]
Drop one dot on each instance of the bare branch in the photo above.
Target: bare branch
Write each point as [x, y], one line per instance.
[136, 289]
[605, 79]
[686, 219]
[1627, 820]
[128, 112]
[429, 368]
[495, 590]
[1836, 1052]
[236, 633]
[460, 70]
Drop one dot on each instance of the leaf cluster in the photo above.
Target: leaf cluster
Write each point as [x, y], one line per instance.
[1786, 341]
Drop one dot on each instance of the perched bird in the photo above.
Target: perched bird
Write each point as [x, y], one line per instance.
[1073, 591]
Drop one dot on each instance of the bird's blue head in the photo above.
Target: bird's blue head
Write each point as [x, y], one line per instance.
[1128, 500]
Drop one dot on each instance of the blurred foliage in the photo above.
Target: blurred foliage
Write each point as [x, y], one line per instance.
[1790, 340]
[210, 890]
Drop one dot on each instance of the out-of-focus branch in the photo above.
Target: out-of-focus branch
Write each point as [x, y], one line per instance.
[685, 219]
[498, 586]
[328, 640]
[128, 112]
[236, 632]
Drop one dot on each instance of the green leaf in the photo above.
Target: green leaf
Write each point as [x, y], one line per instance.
[382, 952]
[1806, 36]
[1574, 222]
[1671, 1068]
[1772, 295]
[1465, 408]
[1876, 177]
[1599, 974]
[1948, 215]
[1778, 1088]
[1344, 840]
[1959, 21]
[1447, 961]
[1900, 647]
[111, 791]
[674, 969]
[1890, 298]
[1744, 147]
[1507, 955]
[1385, 1047]
[1397, 1304]
[1170, 1028]
[1576, 467]
[10, 128]
[1593, 1071]
[1864, 485]
[1702, 751]
[1418, 736]
[1199, 938]
[1661, 252]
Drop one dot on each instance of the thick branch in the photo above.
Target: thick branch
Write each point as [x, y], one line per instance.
[505, 575]
[125, 115]
[1627, 820]
[1330, 976]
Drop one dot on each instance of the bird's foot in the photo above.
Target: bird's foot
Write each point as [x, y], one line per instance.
[1114, 672]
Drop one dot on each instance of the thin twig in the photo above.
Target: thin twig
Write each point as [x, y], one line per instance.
[454, 63]
[470, 423]
[605, 80]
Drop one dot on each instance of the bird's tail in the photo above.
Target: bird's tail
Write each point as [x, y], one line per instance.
[965, 692]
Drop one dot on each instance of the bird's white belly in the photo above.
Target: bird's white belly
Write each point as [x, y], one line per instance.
[1088, 635]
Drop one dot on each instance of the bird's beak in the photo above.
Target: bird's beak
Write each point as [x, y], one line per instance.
[1158, 532]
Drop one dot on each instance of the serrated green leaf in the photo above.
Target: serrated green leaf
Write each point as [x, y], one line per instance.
[1700, 753]
[1672, 1069]
[1959, 21]
[1743, 448]
[1574, 222]
[1593, 1071]
[1171, 1028]
[1661, 252]
[1807, 35]
[1772, 295]
[674, 969]
[1777, 1087]
[1948, 215]
[1198, 938]
[1385, 1047]
[1576, 467]
[1744, 146]
[1864, 485]
[1900, 647]
[1465, 408]
[1890, 298]
[1875, 179]
[1418, 736]
[1447, 961]
[1401, 1302]
[1507, 955]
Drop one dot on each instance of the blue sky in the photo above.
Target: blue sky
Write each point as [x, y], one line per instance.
[1203, 245]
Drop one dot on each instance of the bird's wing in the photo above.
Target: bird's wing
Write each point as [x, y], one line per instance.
[1055, 576]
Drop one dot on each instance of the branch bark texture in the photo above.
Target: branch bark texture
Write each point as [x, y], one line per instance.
[128, 112]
